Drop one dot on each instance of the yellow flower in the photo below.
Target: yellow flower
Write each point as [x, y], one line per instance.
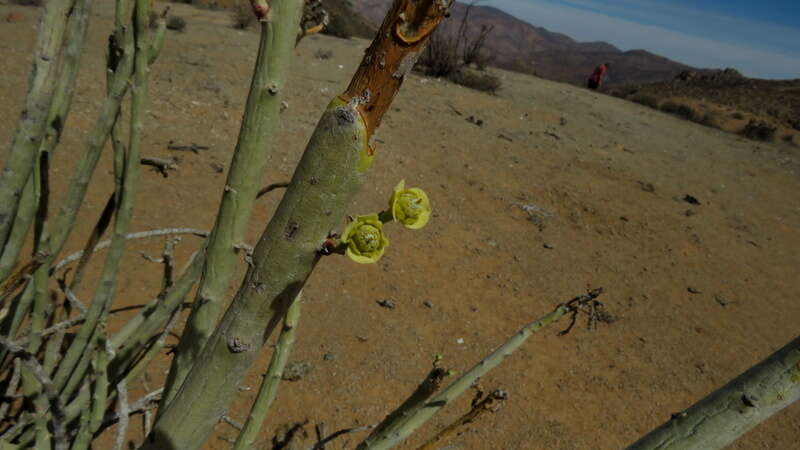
[365, 239]
[410, 207]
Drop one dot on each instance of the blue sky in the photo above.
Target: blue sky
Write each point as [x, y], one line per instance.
[760, 38]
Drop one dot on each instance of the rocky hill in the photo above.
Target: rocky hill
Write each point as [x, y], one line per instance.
[520, 46]
[725, 99]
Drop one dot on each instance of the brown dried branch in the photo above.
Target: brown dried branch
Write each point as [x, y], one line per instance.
[272, 187]
[18, 278]
[480, 406]
[58, 419]
[392, 55]
[320, 445]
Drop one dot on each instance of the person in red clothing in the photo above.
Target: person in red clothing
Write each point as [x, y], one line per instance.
[596, 79]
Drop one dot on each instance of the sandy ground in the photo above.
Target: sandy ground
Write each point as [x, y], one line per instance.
[605, 179]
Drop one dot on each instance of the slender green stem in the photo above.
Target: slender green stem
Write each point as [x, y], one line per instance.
[20, 308]
[100, 393]
[22, 224]
[84, 436]
[253, 149]
[269, 385]
[157, 37]
[74, 198]
[395, 420]
[108, 277]
[129, 341]
[389, 435]
[33, 120]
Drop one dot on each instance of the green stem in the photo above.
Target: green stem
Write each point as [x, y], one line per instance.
[734, 409]
[22, 224]
[76, 192]
[269, 386]
[33, 120]
[108, 277]
[327, 178]
[253, 149]
[129, 341]
[401, 426]
[21, 306]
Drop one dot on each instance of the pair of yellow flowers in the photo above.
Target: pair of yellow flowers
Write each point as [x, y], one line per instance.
[364, 236]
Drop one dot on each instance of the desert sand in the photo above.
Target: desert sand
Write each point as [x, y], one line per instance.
[559, 190]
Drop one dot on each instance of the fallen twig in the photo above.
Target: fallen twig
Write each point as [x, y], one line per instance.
[194, 148]
[233, 423]
[161, 165]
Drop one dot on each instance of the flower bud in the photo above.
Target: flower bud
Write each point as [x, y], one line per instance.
[410, 207]
[365, 239]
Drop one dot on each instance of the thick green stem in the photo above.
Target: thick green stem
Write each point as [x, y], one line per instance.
[252, 151]
[108, 277]
[325, 181]
[734, 409]
[328, 176]
[400, 426]
[269, 386]
[33, 120]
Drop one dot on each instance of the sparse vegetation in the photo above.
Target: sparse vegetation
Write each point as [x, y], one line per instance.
[453, 55]
[709, 119]
[679, 109]
[481, 81]
[344, 22]
[242, 15]
[646, 100]
[759, 130]
[176, 23]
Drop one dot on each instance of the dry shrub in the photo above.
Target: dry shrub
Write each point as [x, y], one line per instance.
[340, 27]
[440, 58]
[323, 54]
[451, 54]
[737, 115]
[680, 110]
[176, 23]
[709, 119]
[242, 15]
[759, 130]
[484, 82]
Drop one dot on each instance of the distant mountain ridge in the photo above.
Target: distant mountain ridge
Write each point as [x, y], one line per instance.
[520, 46]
